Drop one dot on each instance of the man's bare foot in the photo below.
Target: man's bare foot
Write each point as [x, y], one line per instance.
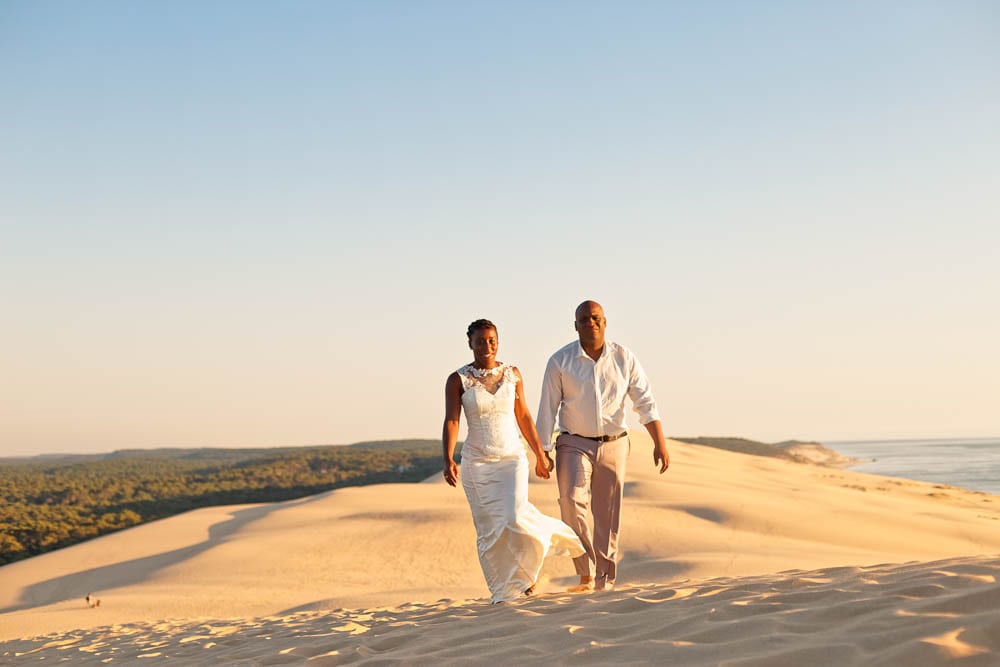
[585, 586]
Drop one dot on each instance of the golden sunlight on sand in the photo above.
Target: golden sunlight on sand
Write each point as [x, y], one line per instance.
[730, 559]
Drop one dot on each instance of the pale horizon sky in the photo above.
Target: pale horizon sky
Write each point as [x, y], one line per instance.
[254, 224]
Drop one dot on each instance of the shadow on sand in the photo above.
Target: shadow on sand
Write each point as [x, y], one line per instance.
[126, 573]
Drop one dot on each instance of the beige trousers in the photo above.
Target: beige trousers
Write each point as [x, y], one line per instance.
[591, 478]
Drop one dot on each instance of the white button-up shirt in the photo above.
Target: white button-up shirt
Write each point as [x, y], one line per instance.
[589, 396]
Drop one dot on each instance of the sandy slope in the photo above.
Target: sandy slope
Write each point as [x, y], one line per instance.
[714, 515]
[916, 614]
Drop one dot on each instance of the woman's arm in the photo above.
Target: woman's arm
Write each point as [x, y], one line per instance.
[449, 434]
[543, 463]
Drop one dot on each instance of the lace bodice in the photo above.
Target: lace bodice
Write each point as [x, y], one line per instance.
[489, 378]
[488, 398]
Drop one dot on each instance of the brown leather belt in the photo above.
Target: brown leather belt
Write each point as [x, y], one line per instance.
[600, 438]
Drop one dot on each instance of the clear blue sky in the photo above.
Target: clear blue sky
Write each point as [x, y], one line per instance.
[249, 223]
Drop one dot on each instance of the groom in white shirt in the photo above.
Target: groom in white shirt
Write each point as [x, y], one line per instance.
[586, 384]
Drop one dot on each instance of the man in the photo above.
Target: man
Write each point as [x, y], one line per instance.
[586, 383]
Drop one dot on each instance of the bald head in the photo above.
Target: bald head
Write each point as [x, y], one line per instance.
[589, 324]
[587, 306]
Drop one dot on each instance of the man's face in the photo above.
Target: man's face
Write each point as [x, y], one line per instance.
[590, 323]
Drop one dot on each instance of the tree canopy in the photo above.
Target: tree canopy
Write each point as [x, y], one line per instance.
[53, 502]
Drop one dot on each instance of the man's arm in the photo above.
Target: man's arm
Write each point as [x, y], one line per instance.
[641, 393]
[548, 405]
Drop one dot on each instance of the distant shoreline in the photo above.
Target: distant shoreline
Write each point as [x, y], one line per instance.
[966, 463]
[800, 451]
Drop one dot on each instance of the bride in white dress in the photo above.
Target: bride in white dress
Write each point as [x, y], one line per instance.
[513, 537]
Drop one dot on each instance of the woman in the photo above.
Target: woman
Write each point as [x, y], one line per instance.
[513, 537]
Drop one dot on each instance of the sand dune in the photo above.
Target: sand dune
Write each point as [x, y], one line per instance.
[729, 559]
[915, 614]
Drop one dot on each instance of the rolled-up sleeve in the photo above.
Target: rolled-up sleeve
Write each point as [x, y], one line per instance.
[548, 406]
[641, 392]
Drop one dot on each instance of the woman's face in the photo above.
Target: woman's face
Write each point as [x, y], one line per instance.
[484, 344]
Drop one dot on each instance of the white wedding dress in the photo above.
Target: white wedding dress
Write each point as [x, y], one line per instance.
[513, 537]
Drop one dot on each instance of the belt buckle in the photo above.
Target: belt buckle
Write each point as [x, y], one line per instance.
[598, 438]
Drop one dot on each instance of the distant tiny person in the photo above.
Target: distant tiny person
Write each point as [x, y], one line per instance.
[512, 536]
[586, 383]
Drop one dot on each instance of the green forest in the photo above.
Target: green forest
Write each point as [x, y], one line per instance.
[55, 501]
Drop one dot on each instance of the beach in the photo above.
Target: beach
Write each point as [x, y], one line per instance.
[729, 559]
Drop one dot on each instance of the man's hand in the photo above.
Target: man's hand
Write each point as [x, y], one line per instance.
[451, 472]
[661, 457]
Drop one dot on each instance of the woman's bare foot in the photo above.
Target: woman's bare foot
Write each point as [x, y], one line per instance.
[585, 586]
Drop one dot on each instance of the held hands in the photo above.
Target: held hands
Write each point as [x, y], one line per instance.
[544, 465]
[451, 472]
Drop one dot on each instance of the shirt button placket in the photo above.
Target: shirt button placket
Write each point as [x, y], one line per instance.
[599, 412]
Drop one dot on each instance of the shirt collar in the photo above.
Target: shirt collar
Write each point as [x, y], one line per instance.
[580, 352]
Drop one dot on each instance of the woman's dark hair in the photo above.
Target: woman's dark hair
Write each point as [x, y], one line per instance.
[479, 325]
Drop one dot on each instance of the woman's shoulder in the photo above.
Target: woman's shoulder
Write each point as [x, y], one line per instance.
[511, 372]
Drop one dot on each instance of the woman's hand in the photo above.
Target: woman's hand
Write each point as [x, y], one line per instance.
[544, 465]
[451, 472]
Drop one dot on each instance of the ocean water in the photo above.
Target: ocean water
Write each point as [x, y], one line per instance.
[969, 463]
